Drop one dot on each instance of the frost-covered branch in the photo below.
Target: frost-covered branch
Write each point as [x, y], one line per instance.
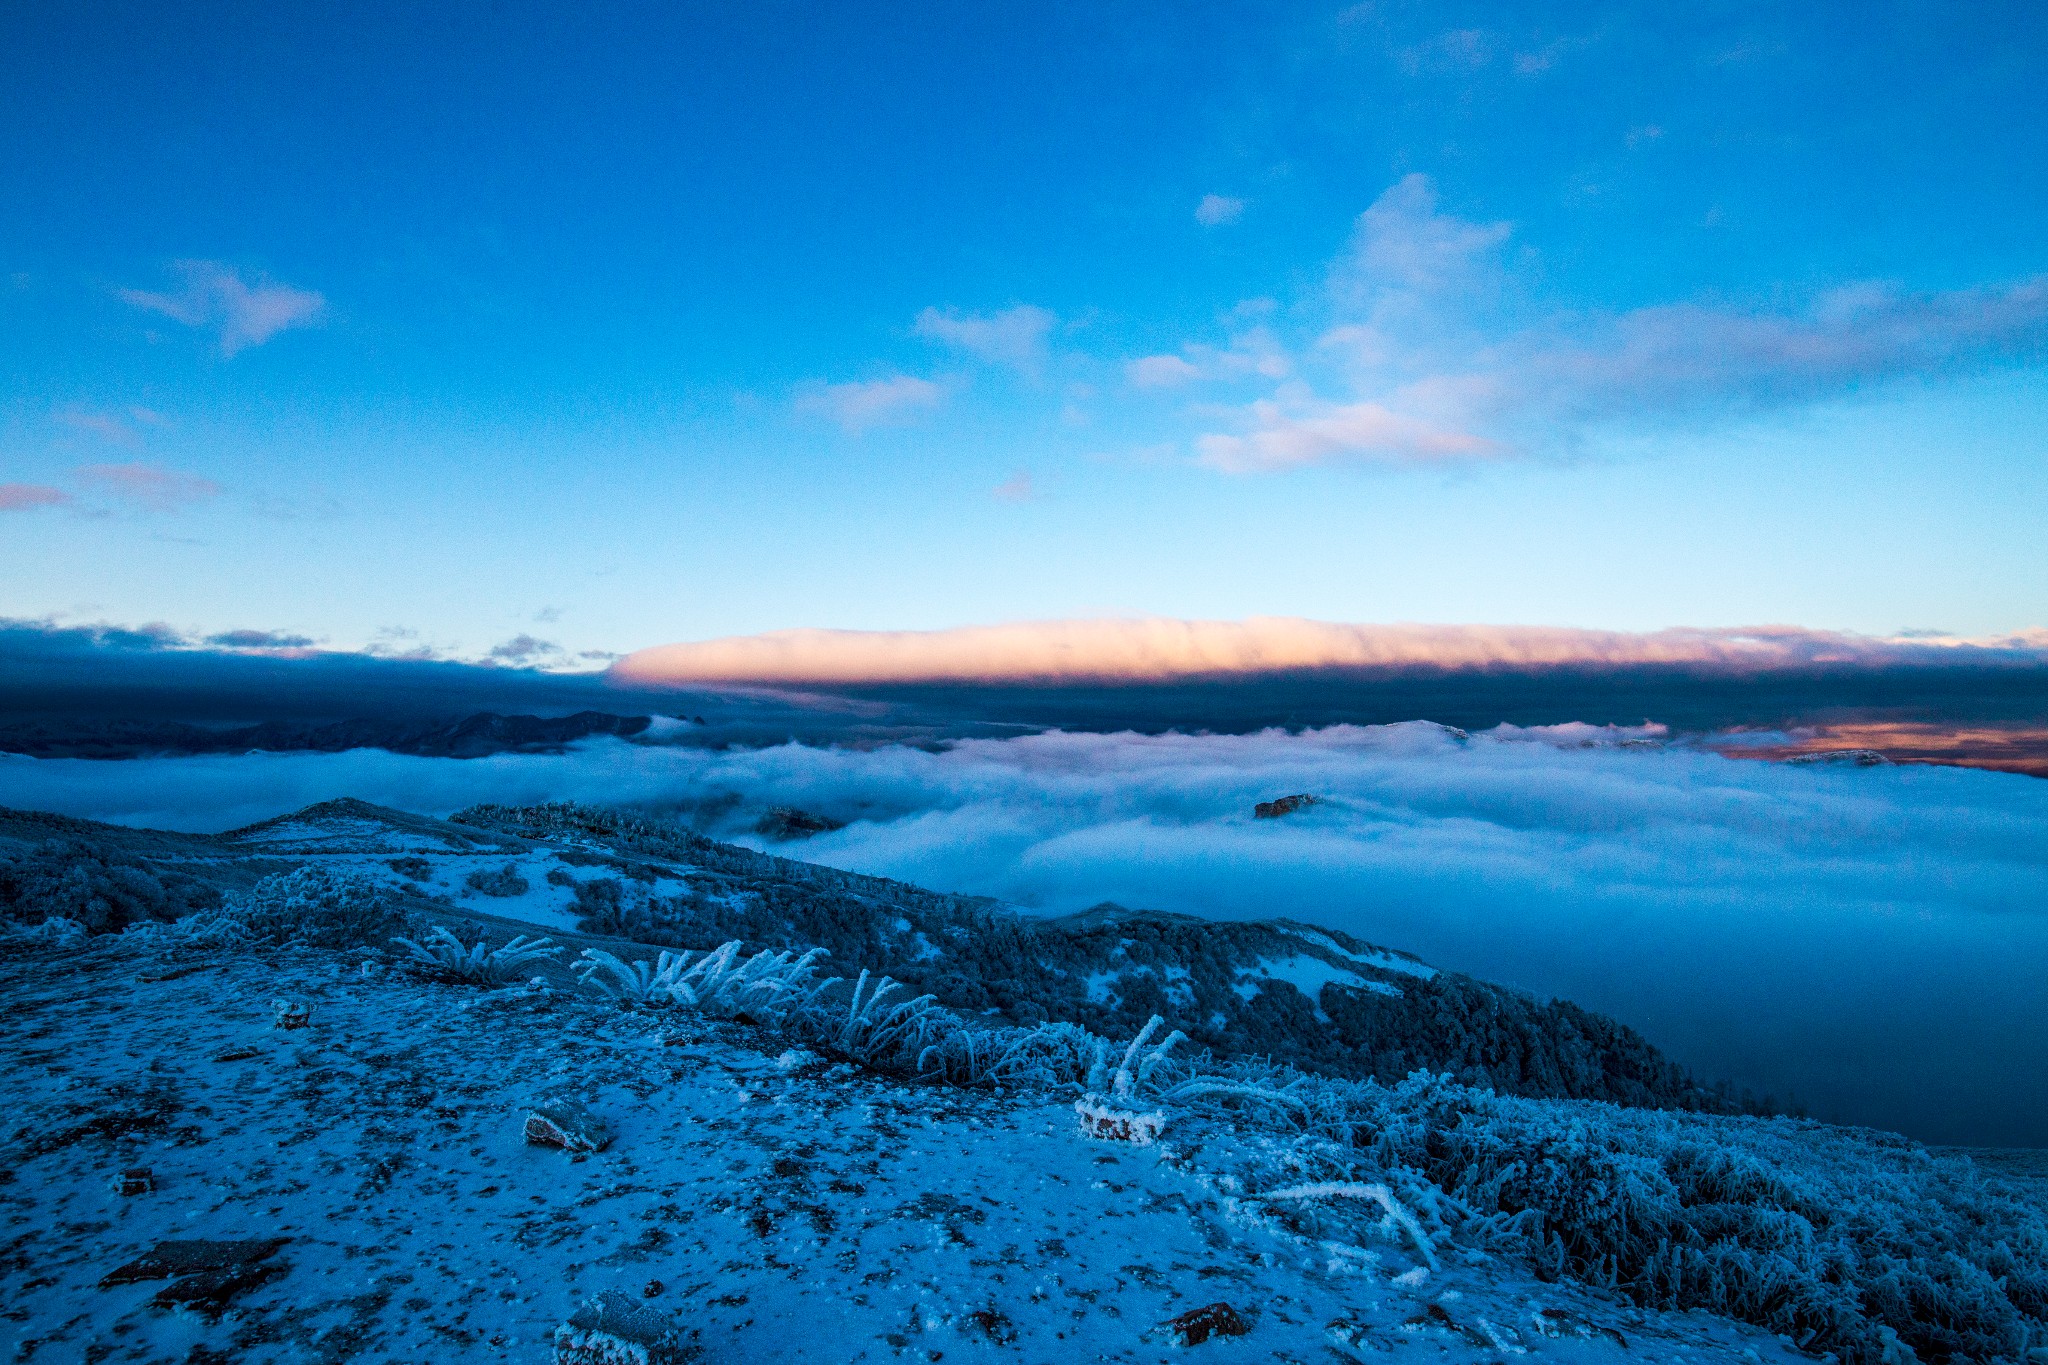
[1397, 1212]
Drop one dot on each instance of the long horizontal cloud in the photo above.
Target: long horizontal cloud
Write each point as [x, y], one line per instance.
[1872, 940]
[1157, 649]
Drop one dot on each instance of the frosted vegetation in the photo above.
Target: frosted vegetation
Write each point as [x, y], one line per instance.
[1845, 1240]
[444, 958]
[323, 907]
[101, 891]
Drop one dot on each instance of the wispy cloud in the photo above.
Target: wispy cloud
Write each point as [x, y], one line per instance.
[30, 497]
[1016, 337]
[1253, 352]
[261, 640]
[1161, 371]
[148, 486]
[1426, 341]
[1316, 432]
[1455, 51]
[123, 427]
[527, 651]
[245, 312]
[1216, 210]
[858, 405]
[1017, 488]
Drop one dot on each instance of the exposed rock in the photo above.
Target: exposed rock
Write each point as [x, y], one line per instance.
[612, 1329]
[134, 1180]
[292, 1013]
[787, 822]
[568, 1125]
[192, 1256]
[1286, 805]
[995, 1325]
[1196, 1326]
[206, 1276]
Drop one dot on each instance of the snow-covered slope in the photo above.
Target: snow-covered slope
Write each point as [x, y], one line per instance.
[772, 1206]
[1316, 998]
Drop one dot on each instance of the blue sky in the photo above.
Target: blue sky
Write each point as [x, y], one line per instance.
[435, 329]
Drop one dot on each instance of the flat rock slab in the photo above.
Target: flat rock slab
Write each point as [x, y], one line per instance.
[188, 1257]
[211, 1292]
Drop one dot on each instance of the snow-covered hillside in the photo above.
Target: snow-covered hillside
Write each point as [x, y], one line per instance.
[1271, 988]
[773, 1205]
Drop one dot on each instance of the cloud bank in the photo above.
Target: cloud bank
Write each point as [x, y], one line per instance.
[1157, 649]
[1872, 941]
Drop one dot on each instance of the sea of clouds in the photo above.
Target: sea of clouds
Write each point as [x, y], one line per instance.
[1872, 942]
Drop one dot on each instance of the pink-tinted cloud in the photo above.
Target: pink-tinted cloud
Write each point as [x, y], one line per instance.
[246, 312]
[862, 404]
[29, 497]
[149, 486]
[1157, 649]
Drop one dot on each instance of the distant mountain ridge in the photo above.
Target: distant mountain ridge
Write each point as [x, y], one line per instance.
[473, 736]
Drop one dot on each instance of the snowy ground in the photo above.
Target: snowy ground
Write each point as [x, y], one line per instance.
[778, 1208]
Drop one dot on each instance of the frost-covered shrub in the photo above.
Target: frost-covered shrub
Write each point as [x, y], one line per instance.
[1049, 1056]
[208, 929]
[873, 1026]
[54, 932]
[723, 982]
[1844, 1240]
[318, 905]
[503, 881]
[443, 958]
[631, 983]
[96, 888]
